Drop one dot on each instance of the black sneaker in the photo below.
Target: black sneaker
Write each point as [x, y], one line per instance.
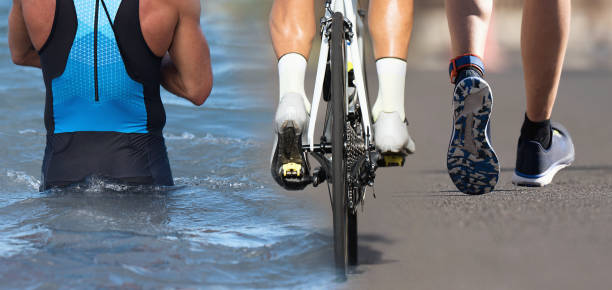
[536, 166]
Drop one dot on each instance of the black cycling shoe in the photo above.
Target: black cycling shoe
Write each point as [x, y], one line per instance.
[288, 167]
[537, 166]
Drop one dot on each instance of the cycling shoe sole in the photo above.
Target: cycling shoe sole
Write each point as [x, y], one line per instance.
[288, 166]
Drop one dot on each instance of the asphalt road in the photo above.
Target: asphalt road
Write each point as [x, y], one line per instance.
[421, 233]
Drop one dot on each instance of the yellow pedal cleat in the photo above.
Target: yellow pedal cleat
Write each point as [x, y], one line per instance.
[292, 170]
[392, 159]
[288, 165]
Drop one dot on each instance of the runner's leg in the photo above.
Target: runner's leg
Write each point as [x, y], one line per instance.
[468, 22]
[544, 147]
[471, 161]
[545, 33]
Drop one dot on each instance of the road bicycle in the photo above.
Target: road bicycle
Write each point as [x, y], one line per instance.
[345, 153]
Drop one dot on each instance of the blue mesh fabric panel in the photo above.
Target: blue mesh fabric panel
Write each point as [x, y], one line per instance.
[121, 107]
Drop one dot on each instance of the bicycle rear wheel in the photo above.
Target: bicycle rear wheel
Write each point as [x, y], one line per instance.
[352, 237]
[339, 164]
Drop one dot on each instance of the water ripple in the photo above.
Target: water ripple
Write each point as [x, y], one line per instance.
[23, 178]
[222, 226]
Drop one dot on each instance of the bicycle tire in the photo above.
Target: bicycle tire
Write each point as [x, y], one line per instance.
[339, 166]
[352, 248]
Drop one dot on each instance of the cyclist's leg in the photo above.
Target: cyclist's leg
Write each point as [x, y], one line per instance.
[471, 161]
[545, 33]
[292, 27]
[390, 23]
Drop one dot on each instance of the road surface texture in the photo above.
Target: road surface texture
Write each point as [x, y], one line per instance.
[421, 233]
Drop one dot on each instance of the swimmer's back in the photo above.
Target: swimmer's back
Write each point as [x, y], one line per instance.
[102, 66]
[158, 20]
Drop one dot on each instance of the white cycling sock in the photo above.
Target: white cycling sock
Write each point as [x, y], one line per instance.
[291, 74]
[391, 85]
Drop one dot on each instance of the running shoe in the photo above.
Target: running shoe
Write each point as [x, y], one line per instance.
[471, 160]
[537, 166]
[288, 162]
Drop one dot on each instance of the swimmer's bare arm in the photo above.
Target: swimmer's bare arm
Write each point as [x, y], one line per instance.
[22, 50]
[186, 69]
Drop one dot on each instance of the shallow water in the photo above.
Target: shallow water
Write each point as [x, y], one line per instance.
[224, 224]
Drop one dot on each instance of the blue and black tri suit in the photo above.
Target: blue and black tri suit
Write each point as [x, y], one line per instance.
[103, 113]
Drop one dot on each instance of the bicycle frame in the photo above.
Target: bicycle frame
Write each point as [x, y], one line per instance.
[346, 157]
[354, 55]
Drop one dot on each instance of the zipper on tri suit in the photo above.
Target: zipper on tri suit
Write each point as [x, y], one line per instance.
[96, 51]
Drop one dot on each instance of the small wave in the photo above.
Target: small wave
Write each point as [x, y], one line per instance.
[14, 241]
[24, 178]
[136, 269]
[284, 241]
[184, 136]
[27, 131]
[214, 103]
[98, 184]
[227, 239]
[211, 139]
[168, 99]
[217, 183]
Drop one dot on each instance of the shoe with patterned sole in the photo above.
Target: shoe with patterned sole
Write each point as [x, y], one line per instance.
[471, 160]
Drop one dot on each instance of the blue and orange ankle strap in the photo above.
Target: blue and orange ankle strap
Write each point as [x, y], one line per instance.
[464, 61]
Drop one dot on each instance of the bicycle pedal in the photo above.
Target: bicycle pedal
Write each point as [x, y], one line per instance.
[392, 160]
[292, 170]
